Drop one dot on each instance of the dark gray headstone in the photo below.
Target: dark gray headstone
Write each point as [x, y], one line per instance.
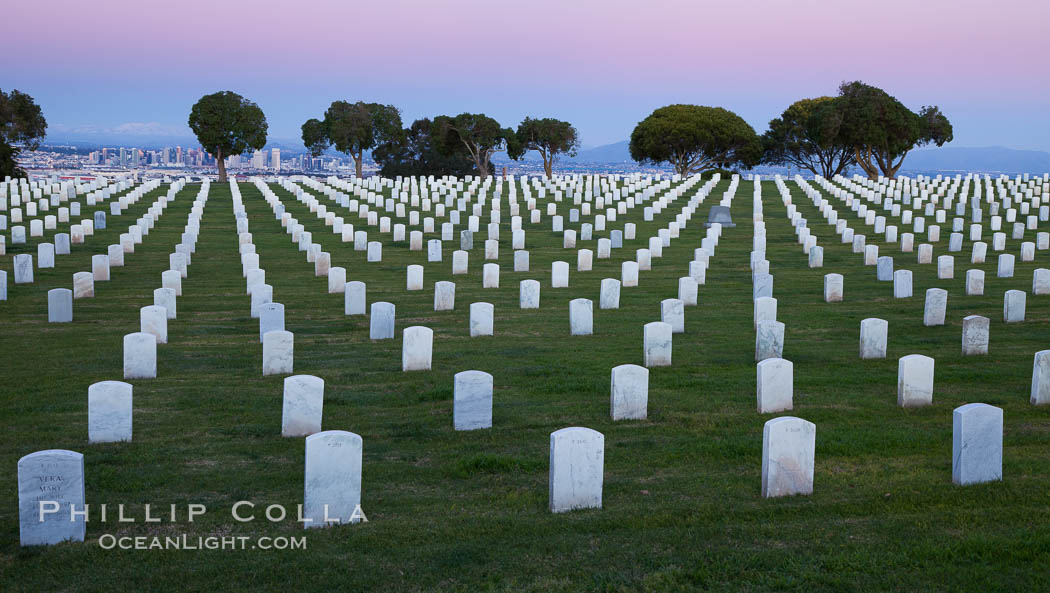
[720, 215]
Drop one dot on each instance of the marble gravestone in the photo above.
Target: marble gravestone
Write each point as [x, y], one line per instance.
[609, 297]
[577, 461]
[915, 381]
[153, 319]
[581, 317]
[278, 352]
[629, 399]
[481, 316]
[672, 312]
[656, 337]
[936, 304]
[769, 340]
[833, 288]
[874, 334]
[59, 305]
[529, 294]
[381, 324]
[109, 412]
[50, 485]
[417, 348]
[975, 335]
[302, 406]
[977, 444]
[775, 385]
[332, 479]
[140, 356]
[271, 318]
[355, 298]
[1041, 378]
[788, 451]
[444, 295]
[472, 400]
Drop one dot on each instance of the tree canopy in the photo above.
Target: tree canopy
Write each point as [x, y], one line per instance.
[881, 130]
[549, 137]
[22, 125]
[315, 136]
[808, 135]
[413, 152]
[227, 124]
[694, 139]
[476, 134]
[352, 128]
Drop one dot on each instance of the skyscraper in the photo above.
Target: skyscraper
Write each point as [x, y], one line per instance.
[275, 159]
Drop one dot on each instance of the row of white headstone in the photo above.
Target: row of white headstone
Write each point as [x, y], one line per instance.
[53, 503]
[140, 348]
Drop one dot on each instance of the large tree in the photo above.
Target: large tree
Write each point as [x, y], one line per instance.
[808, 135]
[227, 124]
[352, 128]
[477, 134]
[22, 125]
[413, 152]
[694, 139]
[881, 130]
[549, 137]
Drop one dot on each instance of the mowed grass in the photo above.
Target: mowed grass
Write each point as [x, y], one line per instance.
[468, 511]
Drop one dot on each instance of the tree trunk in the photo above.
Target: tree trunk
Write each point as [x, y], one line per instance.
[221, 162]
[547, 168]
[866, 165]
[483, 169]
[357, 163]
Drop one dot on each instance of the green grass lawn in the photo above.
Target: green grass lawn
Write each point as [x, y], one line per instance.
[468, 511]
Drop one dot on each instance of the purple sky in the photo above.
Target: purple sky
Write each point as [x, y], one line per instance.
[137, 67]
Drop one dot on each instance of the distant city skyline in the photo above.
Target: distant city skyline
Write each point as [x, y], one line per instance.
[126, 70]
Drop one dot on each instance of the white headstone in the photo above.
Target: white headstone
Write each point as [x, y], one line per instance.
[873, 338]
[417, 348]
[278, 352]
[630, 392]
[472, 400]
[354, 298]
[775, 385]
[381, 325]
[490, 276]
[332, 489]
[977, 444]
[769, 340]
[303, 405]
[577, 458]
[140, 356]
[1041, 378]
[657, 344]
[271, 318]
[109, 412]
[1014, 306]
[444, 295]
[481, 319]
[581, 317]
[975, 335]
[915, 381]
[788, 452]
[50, 486]
[832, 288]
[672, 312]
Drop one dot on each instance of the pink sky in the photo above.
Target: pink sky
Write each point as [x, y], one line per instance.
[602, 64]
